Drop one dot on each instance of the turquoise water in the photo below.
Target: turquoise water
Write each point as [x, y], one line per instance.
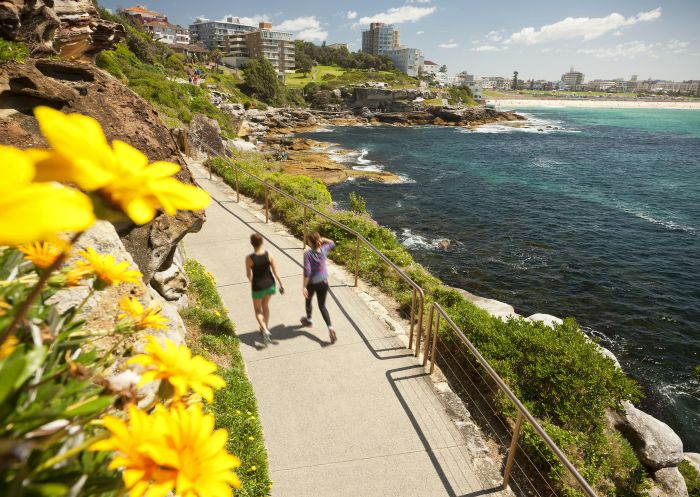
[591, 213]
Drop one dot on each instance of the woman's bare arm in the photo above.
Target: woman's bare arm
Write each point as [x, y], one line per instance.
[273, 266]
[249, 268]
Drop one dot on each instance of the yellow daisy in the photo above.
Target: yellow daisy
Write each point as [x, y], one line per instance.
[107, 270]
[120, 173]
[8, 347]
[75, 275]
[4, 307]
[36, 211]
[177, 365]
[141, 318]
[168, 450]
[133, 443]
[41, 254]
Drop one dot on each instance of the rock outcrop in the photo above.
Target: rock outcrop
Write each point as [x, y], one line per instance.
[72, 86]
[668, 482]
[70, 28]
[205, 134]
[656, 444]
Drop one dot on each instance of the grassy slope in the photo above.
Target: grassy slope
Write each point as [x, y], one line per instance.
[299, 80]
[212, 334]
[336, 77]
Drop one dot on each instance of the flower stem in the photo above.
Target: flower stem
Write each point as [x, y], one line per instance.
[24, 307]
[82, 304]
[72, 452]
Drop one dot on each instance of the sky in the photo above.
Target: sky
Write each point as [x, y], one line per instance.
[541, 39]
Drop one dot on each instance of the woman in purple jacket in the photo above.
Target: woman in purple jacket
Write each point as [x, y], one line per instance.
[316, 279]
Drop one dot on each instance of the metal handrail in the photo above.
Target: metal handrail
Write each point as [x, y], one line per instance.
[418, 296]
[438, 311]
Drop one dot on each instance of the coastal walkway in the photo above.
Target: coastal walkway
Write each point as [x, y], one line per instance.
[360, 417]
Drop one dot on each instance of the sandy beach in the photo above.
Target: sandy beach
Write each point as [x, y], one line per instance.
[506, 103]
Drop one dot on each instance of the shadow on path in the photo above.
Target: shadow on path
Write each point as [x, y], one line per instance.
[280, 333]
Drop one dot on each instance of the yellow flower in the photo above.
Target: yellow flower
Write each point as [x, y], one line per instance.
[8, 347]
[134, 443]
[217, 314]
[141, 318]
[36, 211]
[251, 438]
[121, 173]
[74, 276]
[41, 254]
[176, 365]
[4, 306]
[253, 468]
[168, 450]
[107, 270]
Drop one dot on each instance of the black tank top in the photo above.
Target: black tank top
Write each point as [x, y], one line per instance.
[262, 272]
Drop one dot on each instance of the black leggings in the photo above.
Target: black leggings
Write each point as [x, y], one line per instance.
[321, 290]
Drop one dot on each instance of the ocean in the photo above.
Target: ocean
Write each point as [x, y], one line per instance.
[590, 213]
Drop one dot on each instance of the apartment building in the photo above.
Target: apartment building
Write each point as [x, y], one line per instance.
[380, 38]
[495, 83]
[212, 34]
[407, 60]
[263, 41]
[166, 32]
[572, 79]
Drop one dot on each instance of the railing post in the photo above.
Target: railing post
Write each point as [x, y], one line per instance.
[305, 228]
[357, 259]
[267, 209]
[511, 451]
[238, 192]
[427, 338]
[435, 337]
[413, 310]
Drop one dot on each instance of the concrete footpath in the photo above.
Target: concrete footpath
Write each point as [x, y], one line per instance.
[359, 417]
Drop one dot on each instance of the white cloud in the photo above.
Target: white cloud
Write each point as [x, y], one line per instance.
[418, 1]
[449, 44]
[306, 28]
[420, 32]
[351, 14]
[677, 46]
[628, 49]
[587, 28]
[494, 35]
[488, 48]
[398, 15]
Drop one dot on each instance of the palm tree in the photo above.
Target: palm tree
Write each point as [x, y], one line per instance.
[216, 54]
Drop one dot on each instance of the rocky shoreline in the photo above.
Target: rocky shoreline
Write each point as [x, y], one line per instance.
[272, 131]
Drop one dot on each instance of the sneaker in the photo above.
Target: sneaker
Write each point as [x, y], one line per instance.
[267, 337]
[306, 322]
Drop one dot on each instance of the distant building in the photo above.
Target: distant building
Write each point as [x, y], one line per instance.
[495, 83]
[572, 79]
[379, 39]
[466, 80]
[189, 51]
[463, 77]
[275, 46]
[338, 46]
[430, 68]
[141, 14]
[166, 32]
[211, 34]
[407, 60]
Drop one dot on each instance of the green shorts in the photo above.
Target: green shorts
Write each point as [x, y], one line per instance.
[264, 292]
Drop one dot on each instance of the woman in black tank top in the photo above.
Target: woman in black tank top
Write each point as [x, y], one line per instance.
[262, 272]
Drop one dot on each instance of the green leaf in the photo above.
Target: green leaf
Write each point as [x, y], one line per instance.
[89, 407]
[11, 372]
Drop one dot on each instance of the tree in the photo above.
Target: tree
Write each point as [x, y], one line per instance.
[304, 63]
[261, 78]
[216, 56]
[443, 68]
[515, 80]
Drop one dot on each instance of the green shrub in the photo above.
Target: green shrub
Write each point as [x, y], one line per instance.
[11, 51]
[692, 478]
[357, 203]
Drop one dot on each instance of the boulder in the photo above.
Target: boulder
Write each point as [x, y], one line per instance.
[182, 140]
[694, 459]
[172, 282]
[546, 319]
[244, 129]
[443, 244]
[656, 444]
[71, 28]
[496, 308]
[668, 482]
[206, 135]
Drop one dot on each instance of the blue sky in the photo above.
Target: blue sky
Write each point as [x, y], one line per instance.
[540, 39]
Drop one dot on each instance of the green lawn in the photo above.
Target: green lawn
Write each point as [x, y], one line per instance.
[555, 94]
[299, 80]
[212, 334]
